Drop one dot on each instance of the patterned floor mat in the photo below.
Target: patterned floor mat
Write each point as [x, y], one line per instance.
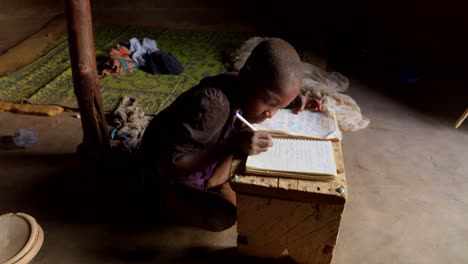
[49, 81]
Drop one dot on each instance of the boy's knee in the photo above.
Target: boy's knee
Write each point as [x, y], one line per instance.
[221, 220]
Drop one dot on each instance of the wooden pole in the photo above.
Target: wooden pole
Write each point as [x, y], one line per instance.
[85, 78]
[461, 119]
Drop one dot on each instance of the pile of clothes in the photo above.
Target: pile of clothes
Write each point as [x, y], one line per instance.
[145, 55]
[129, 122]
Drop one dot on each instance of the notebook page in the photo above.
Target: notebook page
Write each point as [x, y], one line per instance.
[307, 123]
[295, 155]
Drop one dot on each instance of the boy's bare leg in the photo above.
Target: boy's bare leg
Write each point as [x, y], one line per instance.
[220, 174]
[219, 182]
[211, 210]
[226, 192]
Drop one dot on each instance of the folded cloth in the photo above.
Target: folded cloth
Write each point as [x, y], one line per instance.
[160, 62]
[141, 49]
[119, 62]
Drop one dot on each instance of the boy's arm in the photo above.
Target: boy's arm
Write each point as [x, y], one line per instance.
[194, 145]
[189, 163]
[221, 173]
[245, 141]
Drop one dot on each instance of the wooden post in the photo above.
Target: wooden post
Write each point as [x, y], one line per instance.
[461, 119]
[85, 78]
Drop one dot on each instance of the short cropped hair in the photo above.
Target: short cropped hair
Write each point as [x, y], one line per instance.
[275, 62]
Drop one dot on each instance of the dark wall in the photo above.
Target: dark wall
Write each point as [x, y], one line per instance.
[431, 31]
[21, 18]
[428, 30]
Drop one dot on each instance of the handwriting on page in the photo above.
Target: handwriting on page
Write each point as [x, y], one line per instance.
[293, 155]
[307, 123]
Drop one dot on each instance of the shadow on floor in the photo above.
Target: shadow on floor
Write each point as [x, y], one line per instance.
[63, 190]
[130, 253]
[7, 143]
[66, 188]
[195, 255]
[229, 255]
[422, 84]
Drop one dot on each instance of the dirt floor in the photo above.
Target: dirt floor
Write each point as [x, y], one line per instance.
[406, 181]
[406, 175]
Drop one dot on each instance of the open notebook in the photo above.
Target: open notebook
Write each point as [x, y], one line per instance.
[295, 158]
[307, 124]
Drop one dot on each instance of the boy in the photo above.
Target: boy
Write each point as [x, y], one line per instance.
[188, 147]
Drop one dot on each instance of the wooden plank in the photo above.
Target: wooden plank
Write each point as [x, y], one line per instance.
[288, 184]
[263, 224]
[85, 79]
[291, 189]
[271, 182]
[43, 110]
[461, 118]
[288, 194]
[313, 240]
[332, 188]
[267, 227]
[338, 157]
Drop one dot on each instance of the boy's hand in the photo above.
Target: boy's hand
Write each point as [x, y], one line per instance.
[251, 142]
[298, 104]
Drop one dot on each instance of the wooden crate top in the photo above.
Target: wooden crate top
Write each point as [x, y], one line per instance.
[294, 189]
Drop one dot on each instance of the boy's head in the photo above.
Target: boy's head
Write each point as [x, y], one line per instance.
[271, 78]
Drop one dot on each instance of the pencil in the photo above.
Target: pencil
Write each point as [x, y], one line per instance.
[245, 121]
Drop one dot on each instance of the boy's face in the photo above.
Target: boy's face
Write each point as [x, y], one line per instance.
[263, 102]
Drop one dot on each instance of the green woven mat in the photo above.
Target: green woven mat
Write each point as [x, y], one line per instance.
[49, 79]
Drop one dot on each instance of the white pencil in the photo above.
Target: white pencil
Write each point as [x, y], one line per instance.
[245, 121]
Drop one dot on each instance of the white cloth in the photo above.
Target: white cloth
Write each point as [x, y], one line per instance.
[139, 49]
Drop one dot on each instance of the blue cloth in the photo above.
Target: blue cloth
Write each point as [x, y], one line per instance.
[160, 62]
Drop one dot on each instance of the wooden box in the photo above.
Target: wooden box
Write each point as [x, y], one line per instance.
[300, 217]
